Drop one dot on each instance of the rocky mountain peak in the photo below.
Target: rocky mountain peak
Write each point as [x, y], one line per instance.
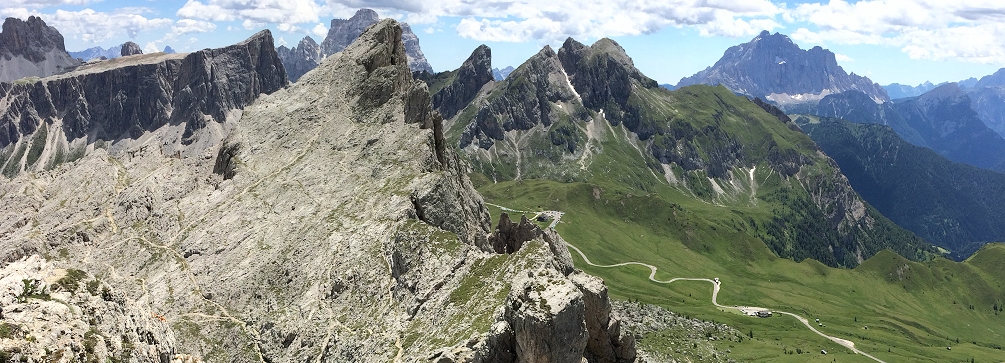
[774, 67]
[31, 39]
[474, 73]
[306, 56]
[130, 48]
[32, 49]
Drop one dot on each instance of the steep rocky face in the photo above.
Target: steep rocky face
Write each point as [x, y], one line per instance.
[301, 58]
[130, 48]
[463, 84]
[169, 50]
[341, 230]
[32, 49]
[187, 99]
[527, 101]
[344, 31]
[942, 119]
[771, 66]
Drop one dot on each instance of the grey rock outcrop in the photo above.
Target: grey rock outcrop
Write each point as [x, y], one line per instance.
[474, 73]
[524, 102]
[130, 48]
[60, 118]
[301, 58]
[771, 66]
[32, 49]
[56, 315]
[341, 231]
[169, 50]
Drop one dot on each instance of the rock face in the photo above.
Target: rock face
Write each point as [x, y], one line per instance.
[130, 48]
[169, 50]
[344, 31]
[301, 58]
[341, 230]
[114, 103]
[32, 49]
[771, 66]
[473, 74]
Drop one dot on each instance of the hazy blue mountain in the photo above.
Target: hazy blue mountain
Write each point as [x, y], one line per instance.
[954, 205]
[941, 119]
[771, 66]
[500, 74]
[897, 90]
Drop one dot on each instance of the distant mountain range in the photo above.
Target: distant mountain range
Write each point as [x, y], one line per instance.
[897, 90]
[772, 67]
[956, 206]
[308, 53]
[500, 74]
[941, 119]
[110, 53]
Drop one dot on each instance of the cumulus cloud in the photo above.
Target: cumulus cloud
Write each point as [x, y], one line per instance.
[91, 26]
[842, 58]
[319, 30]
[525, 20]
[924, 29]
[253, 13]
[45, 3]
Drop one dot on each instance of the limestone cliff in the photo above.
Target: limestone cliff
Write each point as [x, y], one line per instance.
[185, 99]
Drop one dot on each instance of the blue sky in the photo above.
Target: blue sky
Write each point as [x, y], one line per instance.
[903, 41]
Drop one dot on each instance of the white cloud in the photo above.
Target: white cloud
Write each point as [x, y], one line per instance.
[45, 3]
[253, 13]
[924, 29]
[842, 58]
[524, 20]
[91, 26]
[319, 30]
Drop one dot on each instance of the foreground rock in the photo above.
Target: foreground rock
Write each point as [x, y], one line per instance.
[32, 49]
[332, 224]
[130, 48]
[54, 315]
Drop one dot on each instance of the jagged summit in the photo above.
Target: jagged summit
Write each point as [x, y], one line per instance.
[32, 49]
[771, 66]
[301, 58]
[304, 57]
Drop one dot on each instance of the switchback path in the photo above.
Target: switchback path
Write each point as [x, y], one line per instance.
[715, 293]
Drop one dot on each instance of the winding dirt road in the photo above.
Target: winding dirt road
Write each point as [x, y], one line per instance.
[716, 284]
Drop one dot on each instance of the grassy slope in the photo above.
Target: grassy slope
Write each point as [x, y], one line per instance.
[626, 212]
[915, 311]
